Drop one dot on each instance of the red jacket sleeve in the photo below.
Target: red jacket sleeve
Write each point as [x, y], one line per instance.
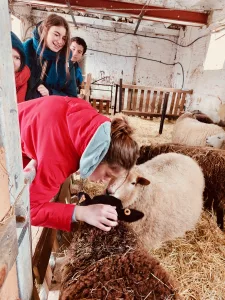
[21, 93]
[44, 187]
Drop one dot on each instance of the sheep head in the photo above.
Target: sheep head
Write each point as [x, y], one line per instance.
[128, 189]
[216, 141]
[124, 214]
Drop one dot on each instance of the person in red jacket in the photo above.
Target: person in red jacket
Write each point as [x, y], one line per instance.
[22, 72]
[64, 135]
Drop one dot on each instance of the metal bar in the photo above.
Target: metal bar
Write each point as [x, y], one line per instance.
[100, 90]
[102, 84]
[120, 94]
[165, 102]
[111, 93]
[135, 9]
[139, 22]
[71, 13]
[99, 80]
[115, 104]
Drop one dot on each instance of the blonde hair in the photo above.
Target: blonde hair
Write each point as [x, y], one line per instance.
[54, 20]
[123, 150]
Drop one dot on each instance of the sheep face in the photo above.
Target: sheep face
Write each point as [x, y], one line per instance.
[216, 141]
[128, 189]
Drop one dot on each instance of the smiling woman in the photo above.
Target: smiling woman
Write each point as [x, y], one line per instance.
[56, 38]
[47, 56]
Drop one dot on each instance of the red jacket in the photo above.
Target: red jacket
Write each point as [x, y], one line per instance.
[55, 131]
[21, 79]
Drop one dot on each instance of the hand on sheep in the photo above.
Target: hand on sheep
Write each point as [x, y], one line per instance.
[97, 215]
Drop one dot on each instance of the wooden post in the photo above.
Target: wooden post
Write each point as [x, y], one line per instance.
[107, 107]
[88, 87]
[8, 247]
[115, 104]
[101, 104]
[120, 94]
[165, 102]
[18, 282]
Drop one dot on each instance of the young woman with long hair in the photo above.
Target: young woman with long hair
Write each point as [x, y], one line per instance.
[47, 54]
[64, 135]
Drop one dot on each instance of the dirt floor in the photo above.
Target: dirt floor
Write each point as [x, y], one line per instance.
[197, 261]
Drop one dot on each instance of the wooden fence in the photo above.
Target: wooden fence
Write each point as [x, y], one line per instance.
[148, 101]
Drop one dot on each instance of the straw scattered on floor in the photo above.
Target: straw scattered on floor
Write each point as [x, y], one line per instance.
[197, 261]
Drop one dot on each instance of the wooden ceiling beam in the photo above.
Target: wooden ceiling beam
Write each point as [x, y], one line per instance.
[133, 9]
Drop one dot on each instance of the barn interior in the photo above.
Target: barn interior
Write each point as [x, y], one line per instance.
[149, 60]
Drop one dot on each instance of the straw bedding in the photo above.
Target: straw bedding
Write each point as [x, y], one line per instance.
[197, 261]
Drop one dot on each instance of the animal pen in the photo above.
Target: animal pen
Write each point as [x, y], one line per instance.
[25, 271]
[146, 101]
[143, 101]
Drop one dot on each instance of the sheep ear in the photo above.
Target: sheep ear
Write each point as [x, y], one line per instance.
[142, 181]
[107, 199]
[129, 215]
[84, 199]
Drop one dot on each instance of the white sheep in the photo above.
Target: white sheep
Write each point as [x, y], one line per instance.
[189, 131]
[216, 141]
[169, 189]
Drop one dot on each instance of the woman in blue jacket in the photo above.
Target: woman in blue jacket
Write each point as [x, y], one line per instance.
[47, 54]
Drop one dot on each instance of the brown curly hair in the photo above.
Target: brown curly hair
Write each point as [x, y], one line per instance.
[123, 150]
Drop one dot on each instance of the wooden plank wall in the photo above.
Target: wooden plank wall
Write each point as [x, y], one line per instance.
[18, 283]
[148, 101]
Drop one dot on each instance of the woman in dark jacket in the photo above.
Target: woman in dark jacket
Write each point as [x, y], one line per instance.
[22, 72]
[47, 54]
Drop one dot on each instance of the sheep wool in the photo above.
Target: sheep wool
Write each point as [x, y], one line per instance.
[189, 131]
[172, 202]
[212, 163]
[113, 265]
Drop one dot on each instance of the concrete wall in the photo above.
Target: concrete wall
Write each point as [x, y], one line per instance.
[123, 45]
[118, 66]
[204, 65]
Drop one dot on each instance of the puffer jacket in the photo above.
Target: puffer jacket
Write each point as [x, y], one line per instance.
[57, 81]
[55, 131]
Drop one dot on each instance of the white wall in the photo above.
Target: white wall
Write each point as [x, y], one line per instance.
[204, 67]
[116, 67]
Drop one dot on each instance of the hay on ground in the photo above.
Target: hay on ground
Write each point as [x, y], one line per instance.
[197, 261]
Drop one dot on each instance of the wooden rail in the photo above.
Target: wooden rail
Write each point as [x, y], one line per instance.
[148, 101]
[102, 105]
